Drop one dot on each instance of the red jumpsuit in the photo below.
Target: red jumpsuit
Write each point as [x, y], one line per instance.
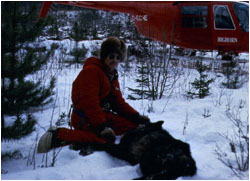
[90, 88]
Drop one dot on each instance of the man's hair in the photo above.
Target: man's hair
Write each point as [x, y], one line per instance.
[113, 45]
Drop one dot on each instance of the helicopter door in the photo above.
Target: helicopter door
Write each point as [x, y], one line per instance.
[241, 11]
[194, 22]
[224, 28]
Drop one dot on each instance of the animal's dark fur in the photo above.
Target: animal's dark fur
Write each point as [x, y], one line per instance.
[159, 154]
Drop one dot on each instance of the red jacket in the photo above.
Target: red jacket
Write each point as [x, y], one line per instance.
[90, 87]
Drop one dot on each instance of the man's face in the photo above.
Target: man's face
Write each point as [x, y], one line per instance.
[112, 61]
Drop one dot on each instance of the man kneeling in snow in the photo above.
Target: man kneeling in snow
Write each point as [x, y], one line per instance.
[99, 110]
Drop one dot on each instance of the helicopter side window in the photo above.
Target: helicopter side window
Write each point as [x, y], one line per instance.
[194, 16]
[242, 12]
[222, 18]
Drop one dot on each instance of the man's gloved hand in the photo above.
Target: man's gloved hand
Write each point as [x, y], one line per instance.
[141, 119]
[108, 134]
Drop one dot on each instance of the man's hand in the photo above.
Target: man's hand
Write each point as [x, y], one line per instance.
[108, 134]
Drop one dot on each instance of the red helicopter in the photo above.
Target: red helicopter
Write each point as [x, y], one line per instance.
[204, 25]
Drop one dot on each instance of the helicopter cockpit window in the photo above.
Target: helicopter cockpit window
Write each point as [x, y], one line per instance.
[194, 16]
[242, 12]
[222, 18]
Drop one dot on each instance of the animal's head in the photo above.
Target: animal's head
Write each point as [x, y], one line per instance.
[152, 126]
[145, 129]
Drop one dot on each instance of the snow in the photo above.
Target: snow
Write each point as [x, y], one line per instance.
[183, 119]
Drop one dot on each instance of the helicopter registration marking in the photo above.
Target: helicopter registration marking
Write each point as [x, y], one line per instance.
[227, 40]
[140, 17]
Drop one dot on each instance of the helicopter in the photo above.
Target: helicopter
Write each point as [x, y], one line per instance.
[201, 25]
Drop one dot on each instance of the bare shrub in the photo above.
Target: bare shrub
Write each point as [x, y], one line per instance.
[237, 158]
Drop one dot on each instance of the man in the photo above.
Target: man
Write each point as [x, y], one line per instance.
[99, 110]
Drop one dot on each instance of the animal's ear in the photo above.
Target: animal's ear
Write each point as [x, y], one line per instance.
[156, 125]
[159, 123]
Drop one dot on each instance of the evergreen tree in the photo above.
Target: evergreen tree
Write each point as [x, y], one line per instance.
[200, 85]
[152, 70]
[76, 32]
[76, 35]
[234, 76]
[53, 30]
[142, 52]
[20, 59]
[142, 81]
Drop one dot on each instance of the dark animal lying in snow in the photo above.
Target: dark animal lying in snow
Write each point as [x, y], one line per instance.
[161, 157]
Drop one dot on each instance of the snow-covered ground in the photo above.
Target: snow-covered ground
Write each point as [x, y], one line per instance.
[184, 119]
